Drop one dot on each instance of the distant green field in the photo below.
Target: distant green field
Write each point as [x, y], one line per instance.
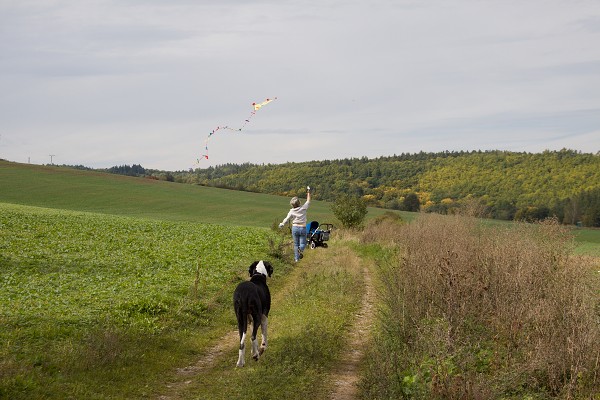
[71, 189]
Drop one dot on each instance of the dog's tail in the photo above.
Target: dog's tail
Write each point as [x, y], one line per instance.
[241, 312]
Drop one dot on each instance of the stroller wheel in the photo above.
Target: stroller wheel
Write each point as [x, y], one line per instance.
[325, 245]
[313, 245]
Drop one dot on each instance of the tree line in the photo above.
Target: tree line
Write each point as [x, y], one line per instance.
[507, 185]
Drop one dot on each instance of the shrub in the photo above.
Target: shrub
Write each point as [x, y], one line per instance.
[349, 210]
[411, 203]
[280, 244]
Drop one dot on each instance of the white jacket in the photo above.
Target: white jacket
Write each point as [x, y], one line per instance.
[297, 215]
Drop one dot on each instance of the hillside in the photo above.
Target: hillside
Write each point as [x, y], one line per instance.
[84, 190]
[511, 185]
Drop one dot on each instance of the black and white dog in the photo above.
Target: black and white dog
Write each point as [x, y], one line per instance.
[252, 299]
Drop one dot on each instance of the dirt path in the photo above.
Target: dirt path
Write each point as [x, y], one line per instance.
[346, 375]
[186, 375]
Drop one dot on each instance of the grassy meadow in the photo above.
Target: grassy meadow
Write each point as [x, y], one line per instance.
[108, 307]
[91, 303]
[587, 242]
[77, 190]
[109, 285]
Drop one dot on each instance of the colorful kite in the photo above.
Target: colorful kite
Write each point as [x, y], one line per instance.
[256, 107]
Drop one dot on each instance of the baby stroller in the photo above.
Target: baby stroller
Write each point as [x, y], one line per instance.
[317, 235]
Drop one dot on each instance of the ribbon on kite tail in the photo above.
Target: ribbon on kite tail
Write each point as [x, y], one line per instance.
[255, 108]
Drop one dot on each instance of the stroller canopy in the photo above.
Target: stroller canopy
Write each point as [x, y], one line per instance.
[311, 227]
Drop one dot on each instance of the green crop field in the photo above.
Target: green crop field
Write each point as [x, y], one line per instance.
[77, 288]
[48, 253]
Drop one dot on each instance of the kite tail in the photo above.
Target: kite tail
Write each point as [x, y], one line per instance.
[256, 107]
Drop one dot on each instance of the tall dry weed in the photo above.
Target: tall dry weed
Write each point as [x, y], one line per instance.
[383, 230]
[507, 305]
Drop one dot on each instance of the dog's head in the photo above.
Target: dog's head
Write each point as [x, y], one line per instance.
[261, 267]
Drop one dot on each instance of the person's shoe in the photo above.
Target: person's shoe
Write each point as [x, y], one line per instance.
[300, 255]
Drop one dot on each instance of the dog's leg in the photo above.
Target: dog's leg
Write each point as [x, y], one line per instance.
[242, 328]
[242, 352]
[255, 353]
[263, 326]
[255, 323]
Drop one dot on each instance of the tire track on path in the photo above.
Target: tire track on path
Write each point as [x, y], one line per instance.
[346, 375]
[186, 375]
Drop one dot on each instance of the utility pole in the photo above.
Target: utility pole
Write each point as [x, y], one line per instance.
[52, 155]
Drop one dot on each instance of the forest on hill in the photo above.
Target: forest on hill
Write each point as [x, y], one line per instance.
[508, 185]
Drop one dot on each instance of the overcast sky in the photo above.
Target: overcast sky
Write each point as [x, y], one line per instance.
[113, 82]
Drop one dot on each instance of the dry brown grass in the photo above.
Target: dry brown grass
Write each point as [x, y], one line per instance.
[383, 230]
[480, 312]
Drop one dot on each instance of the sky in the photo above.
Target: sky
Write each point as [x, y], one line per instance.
[120, 82]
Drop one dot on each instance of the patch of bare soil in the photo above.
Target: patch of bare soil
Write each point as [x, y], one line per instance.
[346, 375]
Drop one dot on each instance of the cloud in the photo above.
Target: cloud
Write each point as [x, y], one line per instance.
[113, 82]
